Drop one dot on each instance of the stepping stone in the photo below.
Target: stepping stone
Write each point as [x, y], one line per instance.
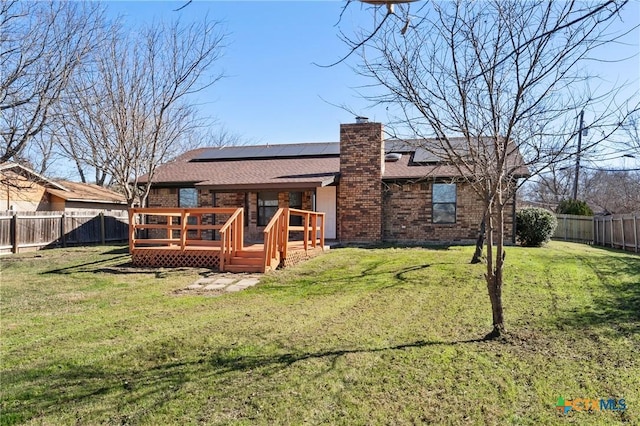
[247, 282]
[215, 287]
[205, 281]
[194, 287]
[224, 281]
[234, 288]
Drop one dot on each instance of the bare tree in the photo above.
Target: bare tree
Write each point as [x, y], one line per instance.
[131, 110]
[554, 186]
[507, 76]
[41, 46]
[632, 133]
[614, 192]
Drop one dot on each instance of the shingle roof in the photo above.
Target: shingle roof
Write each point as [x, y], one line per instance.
[75, 191]
[27, 172]
[291, 166]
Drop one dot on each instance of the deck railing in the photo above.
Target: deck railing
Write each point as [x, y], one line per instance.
[277, 232]
[232, 237]
[189, 232]
[184, 238]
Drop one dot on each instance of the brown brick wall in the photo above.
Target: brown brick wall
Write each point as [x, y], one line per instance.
[359, 199]
[408, 215]
[163, 197]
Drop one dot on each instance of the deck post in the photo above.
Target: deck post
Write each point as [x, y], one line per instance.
[241, 236]
[223, 240]
[236, 234]
[314, 229]
[322, 231]
[132, 230]
[284, 236]
[183, 229]
[306, 232]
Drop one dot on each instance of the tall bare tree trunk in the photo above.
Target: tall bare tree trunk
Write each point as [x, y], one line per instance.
[477, 255]
[494, 274]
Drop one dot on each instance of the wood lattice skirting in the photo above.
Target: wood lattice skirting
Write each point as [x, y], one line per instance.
[297, 256]
[168, 258]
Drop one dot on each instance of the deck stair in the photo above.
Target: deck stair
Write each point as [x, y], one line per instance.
[246, 261]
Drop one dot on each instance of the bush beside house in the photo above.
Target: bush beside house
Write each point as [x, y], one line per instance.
[535, 226]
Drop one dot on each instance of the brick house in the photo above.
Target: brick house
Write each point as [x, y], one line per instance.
[371, 190]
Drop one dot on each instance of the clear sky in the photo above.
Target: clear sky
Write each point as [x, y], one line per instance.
[274, 93]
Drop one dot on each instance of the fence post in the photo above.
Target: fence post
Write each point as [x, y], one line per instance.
[63, 230]
[14, 232]
[102, 230]
[611, 228]
[624, 246]
[565, 227]
[635, 232]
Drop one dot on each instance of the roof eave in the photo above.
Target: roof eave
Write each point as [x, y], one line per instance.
[265, 185]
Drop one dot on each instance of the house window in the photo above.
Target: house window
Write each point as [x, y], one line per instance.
[187, 197]
[444, 203]
[295, 202]
[267, 207]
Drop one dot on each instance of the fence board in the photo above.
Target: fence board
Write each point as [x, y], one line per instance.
[19, 230]
[618, 231]
[574, 228]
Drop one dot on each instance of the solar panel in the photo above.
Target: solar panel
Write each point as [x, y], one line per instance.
[431, 151]
[424, 150]
[270, 151]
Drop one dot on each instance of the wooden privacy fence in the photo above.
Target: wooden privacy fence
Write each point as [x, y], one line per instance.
[574, 228]
[618, 231]
[36, 230]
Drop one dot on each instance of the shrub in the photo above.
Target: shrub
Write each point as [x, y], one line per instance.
[576, 207]
[535, 226]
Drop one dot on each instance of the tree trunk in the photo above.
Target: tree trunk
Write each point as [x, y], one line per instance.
[494, 276]
[477, 256]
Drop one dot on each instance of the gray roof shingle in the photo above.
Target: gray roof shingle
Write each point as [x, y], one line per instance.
[294, 166]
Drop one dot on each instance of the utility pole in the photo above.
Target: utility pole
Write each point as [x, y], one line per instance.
[577, 174]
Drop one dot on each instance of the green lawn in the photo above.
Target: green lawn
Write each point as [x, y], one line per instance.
[357, 336]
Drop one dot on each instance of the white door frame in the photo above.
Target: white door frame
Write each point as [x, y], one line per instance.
[326, 202]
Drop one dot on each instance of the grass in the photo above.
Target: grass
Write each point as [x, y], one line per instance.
[357, 336]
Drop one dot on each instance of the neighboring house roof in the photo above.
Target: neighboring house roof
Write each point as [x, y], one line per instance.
[87, 193]
[68, 191]
[294, 166]
[30, 174]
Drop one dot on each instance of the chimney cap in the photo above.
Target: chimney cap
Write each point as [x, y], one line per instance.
[360, 119]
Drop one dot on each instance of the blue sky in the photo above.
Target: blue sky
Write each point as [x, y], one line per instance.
[274, 93]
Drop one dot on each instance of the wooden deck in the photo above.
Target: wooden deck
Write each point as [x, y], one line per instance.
[178, 239]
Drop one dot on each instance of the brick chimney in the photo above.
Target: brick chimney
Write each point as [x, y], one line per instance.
[360, 189]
